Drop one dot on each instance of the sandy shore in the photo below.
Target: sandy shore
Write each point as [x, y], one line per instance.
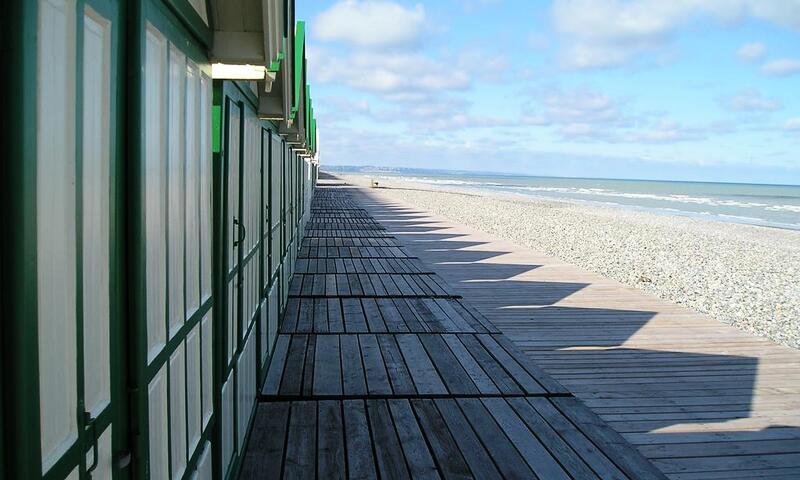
[742, 275]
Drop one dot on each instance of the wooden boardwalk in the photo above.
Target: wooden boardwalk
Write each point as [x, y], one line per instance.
[381, 370]
[701, 399]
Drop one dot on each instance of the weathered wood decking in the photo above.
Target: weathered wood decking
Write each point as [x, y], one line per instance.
[380, 370]
[699, 398]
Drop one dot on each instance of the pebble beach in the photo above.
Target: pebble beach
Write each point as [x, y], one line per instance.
[742, 275]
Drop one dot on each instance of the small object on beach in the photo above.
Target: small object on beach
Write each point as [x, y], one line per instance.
[644, 279]
[373, 184]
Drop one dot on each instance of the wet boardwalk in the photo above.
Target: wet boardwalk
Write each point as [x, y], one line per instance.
[381, 370]
[701, 399]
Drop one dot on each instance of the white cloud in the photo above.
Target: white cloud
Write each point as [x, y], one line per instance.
[751, 100]
[573, 109]
[665, 131]
[752, 51]
[389, 73]
[792, 125]
[603, 33]
[484, 64]
[371, 24]
[781, 67]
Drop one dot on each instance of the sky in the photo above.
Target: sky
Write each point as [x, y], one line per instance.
[705, 90]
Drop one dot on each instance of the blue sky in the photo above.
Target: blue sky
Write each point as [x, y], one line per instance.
[678, 90]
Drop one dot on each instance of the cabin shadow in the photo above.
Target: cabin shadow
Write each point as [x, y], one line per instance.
[661, 389]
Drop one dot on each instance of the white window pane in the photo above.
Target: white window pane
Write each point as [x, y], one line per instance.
[192, 190]
[207, 362]
[96, 170]
[157, 425]
[155, 189]
[193, 393]
[176, 188]
[55, 228]
[205, 186]
[177, 411]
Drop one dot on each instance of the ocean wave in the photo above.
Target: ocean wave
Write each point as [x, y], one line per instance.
[784, 208]
[675, 198]
[439, 181]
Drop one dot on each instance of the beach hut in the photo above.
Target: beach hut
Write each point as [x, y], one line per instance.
[154, 189]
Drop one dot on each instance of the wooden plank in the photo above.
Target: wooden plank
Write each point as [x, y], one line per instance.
[399, 376]
[432, 324]
[581, 444]
[545, 380]
[307, 284]
[373, 316]
[343, 284]
[353, 380]
[320, 315]
[354, 321]
[317, 282]
[330, 285]
[415, 448]
[309, 366]
[305, 317]
[426, 378]
[330, 437]
[328, 368]
[366, 285]
[289, 321]
[483, 383]
[450, 370]
[264, 455]
[360, 462]
[531, 449]
[556, 445]
[391, 316]
[335, 321]
[292, 380]
[475, 454]
[301, 444]
[417, 287]
[374, 369]
[408, 315]
[461, 322]
[295, 286]
[355, 284]
[276, 365]
[388, 451]
[376, 286]
[522, 377]
[442, 444]
[505, 456]
[392, 284]
[504, 382]
[302, 266]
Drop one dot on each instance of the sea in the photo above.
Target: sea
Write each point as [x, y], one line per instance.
[776, 206]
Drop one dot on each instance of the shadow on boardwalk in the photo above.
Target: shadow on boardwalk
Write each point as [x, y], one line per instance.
[696, 411]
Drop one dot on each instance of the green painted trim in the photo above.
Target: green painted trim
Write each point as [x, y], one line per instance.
[299, 58]
[275, 64]
[19, 329]
[21, 443]
[216, 128]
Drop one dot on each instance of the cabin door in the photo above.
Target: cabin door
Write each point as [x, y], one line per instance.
[242, 260]
[81, 361]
